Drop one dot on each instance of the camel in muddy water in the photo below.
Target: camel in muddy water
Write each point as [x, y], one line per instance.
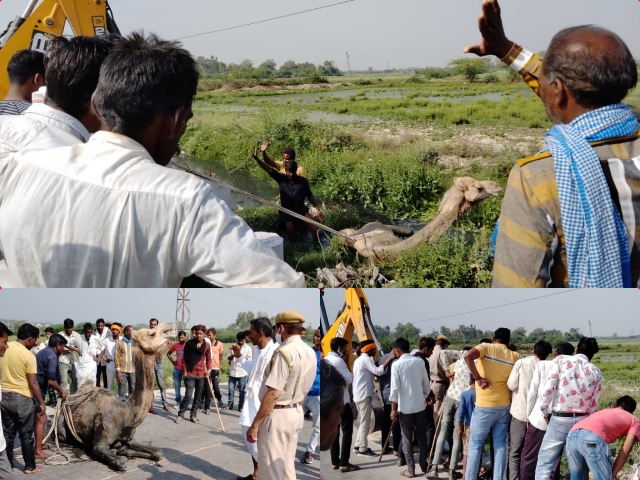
[377, 241]
[104, 422]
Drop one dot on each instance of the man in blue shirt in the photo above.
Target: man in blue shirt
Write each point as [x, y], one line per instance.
[47, 376]
[47, 362]
[312, 402]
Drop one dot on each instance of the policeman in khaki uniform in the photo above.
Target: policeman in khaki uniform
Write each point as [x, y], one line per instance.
[288, 379]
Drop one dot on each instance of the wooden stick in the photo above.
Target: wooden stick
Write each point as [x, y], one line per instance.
[215, 400]
[386, 443]
[435, 438]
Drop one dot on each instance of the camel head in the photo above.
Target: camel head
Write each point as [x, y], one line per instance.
[465, 193]
[154, 341]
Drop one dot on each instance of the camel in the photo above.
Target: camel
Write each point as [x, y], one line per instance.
[377, 241]
[103, 422]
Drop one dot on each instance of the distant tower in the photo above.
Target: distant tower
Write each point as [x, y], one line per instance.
[183, 313]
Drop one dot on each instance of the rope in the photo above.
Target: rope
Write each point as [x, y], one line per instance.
[65, 408]
[261, 200]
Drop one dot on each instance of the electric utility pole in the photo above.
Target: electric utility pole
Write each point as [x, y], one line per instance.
[183, 313]
[348, 64]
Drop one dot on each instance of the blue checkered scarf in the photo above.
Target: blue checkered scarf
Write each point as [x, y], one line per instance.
[595, 237]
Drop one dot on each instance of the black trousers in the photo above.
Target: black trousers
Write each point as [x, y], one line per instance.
[387, 424]
[430, 430]
[206, 393]
[102, 371]
[417, 422]
[340, 455]
[18, 416]
[192, 385]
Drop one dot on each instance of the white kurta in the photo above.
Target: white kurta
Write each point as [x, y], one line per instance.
[86, 366]
[256, 369]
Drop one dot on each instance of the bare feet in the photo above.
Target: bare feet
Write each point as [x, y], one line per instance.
[45, 447]
[35, 470]
[41, 455]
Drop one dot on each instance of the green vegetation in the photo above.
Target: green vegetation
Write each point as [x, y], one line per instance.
[379, 148]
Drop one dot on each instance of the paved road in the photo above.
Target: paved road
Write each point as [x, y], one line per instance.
[370, 468]
[191, 451]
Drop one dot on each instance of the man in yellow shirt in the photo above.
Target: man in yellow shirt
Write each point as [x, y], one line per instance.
[493, 400]
[18, 371]
[287, 155]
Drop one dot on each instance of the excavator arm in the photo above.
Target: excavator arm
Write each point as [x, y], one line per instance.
[36, 25]
[354, 318]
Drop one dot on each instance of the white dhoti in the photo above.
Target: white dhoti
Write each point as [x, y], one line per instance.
[261, 359]
[85, 372]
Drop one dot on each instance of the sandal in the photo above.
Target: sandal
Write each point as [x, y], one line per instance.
[178, 420]
[408, 474]
[194, 420]
[349, 468]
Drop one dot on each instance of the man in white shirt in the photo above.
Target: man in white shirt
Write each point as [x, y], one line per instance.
[90, 352]
[260, 331]
[570, 392]
[65, 118]
[340, 456]
[410, 387]
[519, 382]
[109, 214]
[364, 371]
[537, 426]
[67, 359]
[237, 374]
[101, 333]
[109, 355]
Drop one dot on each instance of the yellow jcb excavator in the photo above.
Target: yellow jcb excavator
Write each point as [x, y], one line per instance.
[35, 26]
[354, 318]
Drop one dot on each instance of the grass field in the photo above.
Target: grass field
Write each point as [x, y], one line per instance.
[380, 148]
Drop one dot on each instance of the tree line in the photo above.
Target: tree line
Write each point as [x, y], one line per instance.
[268, 69]
[471, 335]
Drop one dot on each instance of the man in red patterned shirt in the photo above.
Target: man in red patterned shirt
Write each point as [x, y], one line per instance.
[196, 366]
[570, 393]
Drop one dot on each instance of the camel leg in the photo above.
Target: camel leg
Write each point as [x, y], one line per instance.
[138, 450]
[101, 452]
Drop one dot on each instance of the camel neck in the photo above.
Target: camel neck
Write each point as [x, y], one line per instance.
[142, 395]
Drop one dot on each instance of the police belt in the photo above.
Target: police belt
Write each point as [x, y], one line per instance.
[291, 405]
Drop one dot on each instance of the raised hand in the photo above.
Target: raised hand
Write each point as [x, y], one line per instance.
[264, 146]
[494, 41]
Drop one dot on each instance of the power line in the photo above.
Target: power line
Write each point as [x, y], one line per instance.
[267, 19]
[499, 306]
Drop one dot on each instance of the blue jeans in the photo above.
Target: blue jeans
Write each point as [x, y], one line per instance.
[241, 383]
[484, 419]
[177, 381]
[160, 379]
[587, 452]
[553, 443]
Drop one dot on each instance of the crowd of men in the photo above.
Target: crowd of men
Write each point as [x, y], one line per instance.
[529, 407]
[278, 379]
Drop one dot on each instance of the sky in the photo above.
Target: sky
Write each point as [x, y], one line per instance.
[610, 311]
[211, 307]
[377, 33]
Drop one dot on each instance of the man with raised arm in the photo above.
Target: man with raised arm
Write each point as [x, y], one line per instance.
[569, 214]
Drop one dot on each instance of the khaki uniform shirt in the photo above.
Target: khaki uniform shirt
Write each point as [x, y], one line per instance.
[292, 371]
